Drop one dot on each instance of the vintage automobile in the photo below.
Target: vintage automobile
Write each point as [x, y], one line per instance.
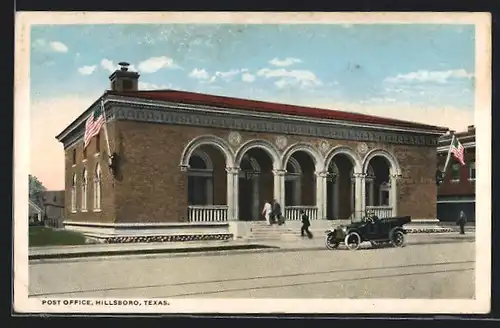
[379, 232]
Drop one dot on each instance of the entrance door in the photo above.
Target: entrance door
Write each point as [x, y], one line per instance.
[245, 199]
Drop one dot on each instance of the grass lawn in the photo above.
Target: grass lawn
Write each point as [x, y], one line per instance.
[43, 236]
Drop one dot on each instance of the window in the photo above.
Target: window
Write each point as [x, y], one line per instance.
[74, 156]
[84, 190]
[472, 171]
[97, 188]
[98, 143]
[455, 172]
[73, 194]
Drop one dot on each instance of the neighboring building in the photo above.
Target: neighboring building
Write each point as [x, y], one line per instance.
[35, 212]
[53, 208]
[50, 203]
[458, 189]
[185, 160]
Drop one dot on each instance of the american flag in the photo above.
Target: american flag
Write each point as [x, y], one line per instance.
[457, 150]
[93, 125]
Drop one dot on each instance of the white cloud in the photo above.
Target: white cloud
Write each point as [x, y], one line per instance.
[110, 66]
[285, 62]
[226, 76]
[303, 78]
[152, 86]
[201, 74]
[154, 64]
[87, 70]
[247, 77]
[430, 76]
[50, 46]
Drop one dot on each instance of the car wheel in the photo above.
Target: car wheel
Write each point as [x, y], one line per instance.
[352, 241]
[398, 238]
[331, 242]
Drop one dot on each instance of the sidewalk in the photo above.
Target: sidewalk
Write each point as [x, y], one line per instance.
[298, 244]
[59, 252]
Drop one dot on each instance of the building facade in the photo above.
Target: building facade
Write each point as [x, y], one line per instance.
[183, 159]
[457, 192]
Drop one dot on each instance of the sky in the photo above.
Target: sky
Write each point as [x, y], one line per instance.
[420, 73]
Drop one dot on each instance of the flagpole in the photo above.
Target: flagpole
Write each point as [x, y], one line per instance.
[105, 128]
[449, 154]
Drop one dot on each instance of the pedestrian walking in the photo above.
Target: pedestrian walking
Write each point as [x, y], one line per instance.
[305, 225]
[277, 215]
[267, 212]
[462, 220]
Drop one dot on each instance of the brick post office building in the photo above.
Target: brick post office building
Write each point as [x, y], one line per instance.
[458, 189]
[202, 166]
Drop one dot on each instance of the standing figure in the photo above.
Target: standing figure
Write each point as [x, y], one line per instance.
[305, 225]
[267, 212]
[277, 216]
[462, 220]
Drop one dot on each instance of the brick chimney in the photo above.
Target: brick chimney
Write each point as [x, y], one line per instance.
[124, 80]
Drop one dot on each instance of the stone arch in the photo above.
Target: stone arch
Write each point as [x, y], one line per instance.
[351, 154]
[295, 164]
[395, 168]
[307, 148]
[204, 157]
[212, 140]
[268, 147]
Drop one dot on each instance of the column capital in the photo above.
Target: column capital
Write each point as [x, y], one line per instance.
[184, 168]
[395, 176]
[359, 175]
[279, 172]
[232, 169]
[321, 174]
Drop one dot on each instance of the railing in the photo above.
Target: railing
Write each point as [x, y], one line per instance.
[292, 213]
[380, 211]
[207, 213]
[54, 223]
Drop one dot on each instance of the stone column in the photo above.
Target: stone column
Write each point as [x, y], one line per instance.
[279, 188]
[371, 191]
[360, 189]
[393, 195]
[321, 194]
[232, 193]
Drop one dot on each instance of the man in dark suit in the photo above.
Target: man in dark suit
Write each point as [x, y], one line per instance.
[278, 217]
[305, 225]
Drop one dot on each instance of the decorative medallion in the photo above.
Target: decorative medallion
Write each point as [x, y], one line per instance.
[281, 142]
[234, 138]
[324, 146]
[362, 148]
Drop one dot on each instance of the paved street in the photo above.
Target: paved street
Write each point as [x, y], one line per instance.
[443, 270]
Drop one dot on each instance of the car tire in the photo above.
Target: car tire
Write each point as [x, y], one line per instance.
[355, 245]
[397, 238]
[330, 242]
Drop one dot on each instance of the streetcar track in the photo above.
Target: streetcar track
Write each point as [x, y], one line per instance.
[232, 280]
[313, 283]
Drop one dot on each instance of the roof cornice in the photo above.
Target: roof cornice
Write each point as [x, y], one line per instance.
[110, 100]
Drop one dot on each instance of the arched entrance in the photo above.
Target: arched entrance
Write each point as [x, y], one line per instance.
[255, 185]
[205, 160]
[381, 170]
[300, 185]
[340, 188]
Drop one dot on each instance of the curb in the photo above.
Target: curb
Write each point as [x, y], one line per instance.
[184, 250]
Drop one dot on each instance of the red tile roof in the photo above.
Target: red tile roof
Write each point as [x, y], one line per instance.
[268, 107]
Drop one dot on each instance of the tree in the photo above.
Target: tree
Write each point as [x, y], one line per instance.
[35, 186]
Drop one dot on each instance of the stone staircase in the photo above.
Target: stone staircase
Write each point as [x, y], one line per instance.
[262, 231]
